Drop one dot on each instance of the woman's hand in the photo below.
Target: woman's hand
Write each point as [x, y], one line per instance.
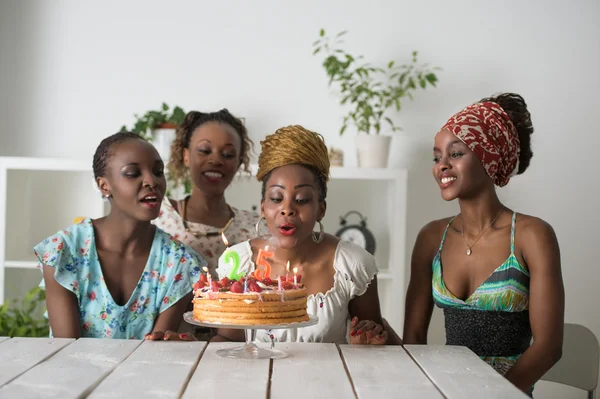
[169, 336]
[367, 332]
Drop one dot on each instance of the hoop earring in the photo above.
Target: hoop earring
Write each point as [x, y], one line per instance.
[317, 238]
[257, 226]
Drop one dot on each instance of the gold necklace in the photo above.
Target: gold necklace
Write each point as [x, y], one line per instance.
[469, 247]
[202, 233]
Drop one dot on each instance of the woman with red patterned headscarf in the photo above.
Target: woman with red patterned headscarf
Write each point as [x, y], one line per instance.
[495, 273]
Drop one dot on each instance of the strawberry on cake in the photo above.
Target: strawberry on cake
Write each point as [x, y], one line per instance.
[249, 301]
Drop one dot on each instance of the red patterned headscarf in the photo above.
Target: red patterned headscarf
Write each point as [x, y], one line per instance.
[488, 131]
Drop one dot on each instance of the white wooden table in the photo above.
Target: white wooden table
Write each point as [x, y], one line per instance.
[110, 368]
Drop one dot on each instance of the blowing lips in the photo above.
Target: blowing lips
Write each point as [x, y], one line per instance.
[287, 229]
[151, 200]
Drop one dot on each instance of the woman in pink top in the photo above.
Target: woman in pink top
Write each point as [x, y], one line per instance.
[210, 148]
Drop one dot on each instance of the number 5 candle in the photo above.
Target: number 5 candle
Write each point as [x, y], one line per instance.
[261, 260]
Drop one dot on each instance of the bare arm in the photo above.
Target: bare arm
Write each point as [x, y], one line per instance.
[546, 304]
[419, 300]
[365, 312]
[366, 306]
[63, 310]
[170, 319]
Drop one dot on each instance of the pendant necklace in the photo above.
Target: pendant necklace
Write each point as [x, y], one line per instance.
[469, 247]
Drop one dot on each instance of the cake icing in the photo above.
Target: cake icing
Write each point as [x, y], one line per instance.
[249, 301]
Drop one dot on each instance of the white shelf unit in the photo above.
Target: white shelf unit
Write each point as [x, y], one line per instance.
[39, 196]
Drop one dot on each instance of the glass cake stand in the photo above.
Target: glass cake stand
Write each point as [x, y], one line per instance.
[250, 350]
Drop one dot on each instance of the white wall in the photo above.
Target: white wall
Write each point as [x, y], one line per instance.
[72, 73]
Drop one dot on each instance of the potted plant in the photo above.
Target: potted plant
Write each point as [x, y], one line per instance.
[158, 127]
[371, 93]
[20, 320]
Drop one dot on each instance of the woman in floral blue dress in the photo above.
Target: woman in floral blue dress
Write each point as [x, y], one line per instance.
[119, 276]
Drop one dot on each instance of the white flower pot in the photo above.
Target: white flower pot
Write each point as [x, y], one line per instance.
[162, 139]
[372, 150]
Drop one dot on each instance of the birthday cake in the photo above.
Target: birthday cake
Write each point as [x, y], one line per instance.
[249, 301]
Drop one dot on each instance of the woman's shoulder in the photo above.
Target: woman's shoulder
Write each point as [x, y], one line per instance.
[172, 245]
[350, 251]
[532, 228]
[69, 246]
[169, 207]
[168, 217]
[246, 216]
[530, 221]
[82, 227]
[436, 227]
[350, 257]
[356, 265]
[428, 241]
[75, 234]
[431, 233]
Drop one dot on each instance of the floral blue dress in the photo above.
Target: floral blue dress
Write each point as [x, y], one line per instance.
[170, 272]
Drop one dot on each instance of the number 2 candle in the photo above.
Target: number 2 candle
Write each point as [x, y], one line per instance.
[232, 257]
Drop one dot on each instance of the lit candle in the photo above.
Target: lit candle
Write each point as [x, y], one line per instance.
[261, 260]
[295, 278]
[279, 283]
[231, 257]
[287, 271]
[208, 277]
[224, 240]
[245, 286]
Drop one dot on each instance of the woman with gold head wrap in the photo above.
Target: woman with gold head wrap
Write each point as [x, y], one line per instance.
[340, 276]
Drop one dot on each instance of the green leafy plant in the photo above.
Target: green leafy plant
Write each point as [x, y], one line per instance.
[19, 320]
[369, 90]
[155, 119]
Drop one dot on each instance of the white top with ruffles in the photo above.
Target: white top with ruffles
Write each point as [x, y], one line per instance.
[354, 267]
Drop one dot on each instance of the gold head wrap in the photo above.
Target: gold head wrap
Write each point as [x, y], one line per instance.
[293, 145]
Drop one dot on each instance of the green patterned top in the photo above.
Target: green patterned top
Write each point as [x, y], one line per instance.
[503, 295]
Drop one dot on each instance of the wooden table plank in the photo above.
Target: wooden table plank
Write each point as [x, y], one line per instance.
[219, 377]
[156, 369]
[384, 371]
[72, 372]
[17, 355]
[459, 373]
[310, 371]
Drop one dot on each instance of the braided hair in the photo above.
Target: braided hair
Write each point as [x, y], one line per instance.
[103, 152]
[193, 120]
[294, 145]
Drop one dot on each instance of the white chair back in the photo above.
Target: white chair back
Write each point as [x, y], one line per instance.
[579, 364]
